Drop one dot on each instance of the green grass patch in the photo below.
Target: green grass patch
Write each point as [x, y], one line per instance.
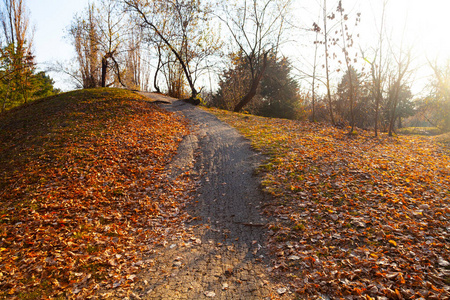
[425, 131]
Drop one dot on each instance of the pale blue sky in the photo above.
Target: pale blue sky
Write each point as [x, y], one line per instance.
[51, 19]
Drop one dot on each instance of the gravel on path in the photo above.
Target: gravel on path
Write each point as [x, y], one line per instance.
[226, 258]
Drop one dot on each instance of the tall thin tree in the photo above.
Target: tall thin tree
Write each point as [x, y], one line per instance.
[327, 67]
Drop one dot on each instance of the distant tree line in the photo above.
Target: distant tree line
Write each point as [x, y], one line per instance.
[179, 46]
[19, 80]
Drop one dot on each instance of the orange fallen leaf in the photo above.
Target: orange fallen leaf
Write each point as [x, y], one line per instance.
[392, 242]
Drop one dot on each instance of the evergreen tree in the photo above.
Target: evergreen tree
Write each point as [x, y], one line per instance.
[18, 81]
[279, 91]
[277, 95]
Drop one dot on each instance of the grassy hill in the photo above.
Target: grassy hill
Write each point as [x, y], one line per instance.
[84, 196]
[354, 215]
[79, 174]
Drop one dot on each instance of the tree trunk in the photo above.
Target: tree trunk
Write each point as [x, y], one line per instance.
[155, 79]
[180, 59]
[104, 70]
[377, 93]
[314, 83]
[391, 125]
[248, 97]
[313, 99]
[352, 100]
[252, 92]
[116, 64]
[394, 111]
[377, 108]
[330, 107]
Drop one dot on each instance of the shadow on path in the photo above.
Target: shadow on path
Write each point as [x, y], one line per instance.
[227, 259]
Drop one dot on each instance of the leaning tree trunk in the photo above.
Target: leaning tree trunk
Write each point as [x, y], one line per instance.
[180, 59]
[252, 92]
[155, 79]
[119, 78]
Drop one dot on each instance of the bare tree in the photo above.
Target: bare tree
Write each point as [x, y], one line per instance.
[175, 23]
[347, 43]
[377, 70]
[396, 82]
[158, 67]
[107, 44]
[135, 67]
[85, 38]
[314, 71]
[113, 34]
[438, 104]
[256, 27]
[327, 68]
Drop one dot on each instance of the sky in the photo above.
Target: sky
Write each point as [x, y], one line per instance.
[51, 18]
[427, 25]
[423, 27]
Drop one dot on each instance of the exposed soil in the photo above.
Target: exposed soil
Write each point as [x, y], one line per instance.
[226, 258]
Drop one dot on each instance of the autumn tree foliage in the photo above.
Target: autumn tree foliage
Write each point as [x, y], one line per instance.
[169, 46]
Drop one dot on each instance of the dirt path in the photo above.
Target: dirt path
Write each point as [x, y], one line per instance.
[227, 258]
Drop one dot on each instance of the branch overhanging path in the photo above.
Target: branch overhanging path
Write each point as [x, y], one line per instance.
[229, 259]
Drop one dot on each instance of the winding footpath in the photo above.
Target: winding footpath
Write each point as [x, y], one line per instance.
[227, 259]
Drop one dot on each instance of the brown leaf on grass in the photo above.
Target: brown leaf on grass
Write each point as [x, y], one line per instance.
[84, 193]
[373, 211]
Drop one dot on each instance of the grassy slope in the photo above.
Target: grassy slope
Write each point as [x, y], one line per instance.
[423, 131]
[360, 216]
[83, 190]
